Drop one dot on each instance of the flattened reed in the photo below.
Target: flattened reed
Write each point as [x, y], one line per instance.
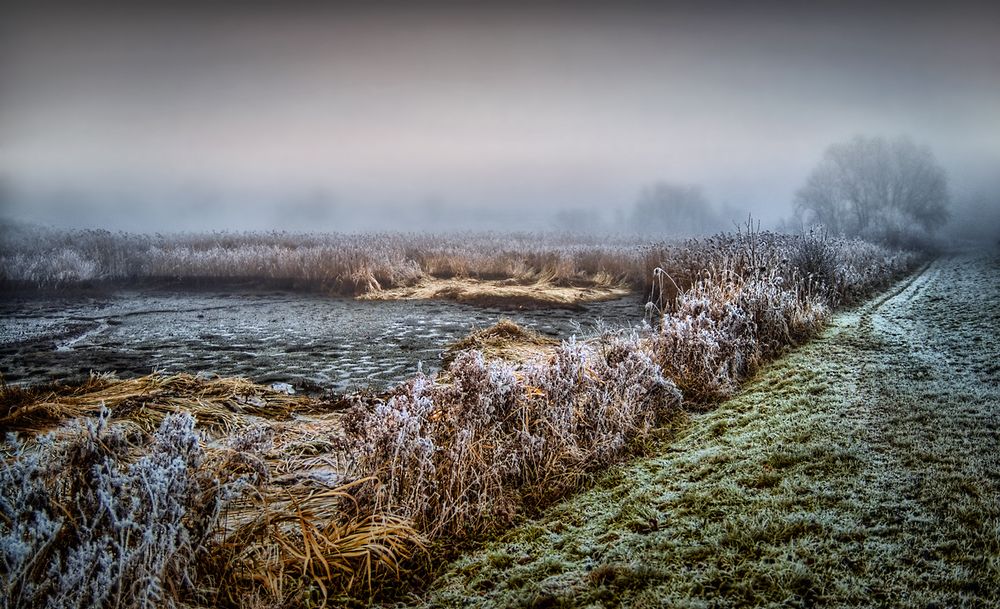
[216, 402]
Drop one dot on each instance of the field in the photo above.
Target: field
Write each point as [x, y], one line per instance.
[185, 490]
[501, 305]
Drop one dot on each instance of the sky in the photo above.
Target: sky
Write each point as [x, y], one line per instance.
[292, 116]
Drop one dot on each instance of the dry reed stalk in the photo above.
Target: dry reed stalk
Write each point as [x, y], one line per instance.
[504, 340]
[304, 542]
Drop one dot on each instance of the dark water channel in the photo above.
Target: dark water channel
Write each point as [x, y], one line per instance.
[310, 341]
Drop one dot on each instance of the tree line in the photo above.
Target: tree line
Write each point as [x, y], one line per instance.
[871, 187]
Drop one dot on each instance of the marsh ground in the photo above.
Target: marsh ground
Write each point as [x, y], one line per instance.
[308, 340]
[863, 469]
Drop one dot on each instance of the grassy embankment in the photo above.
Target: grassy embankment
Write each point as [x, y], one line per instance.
[861, 470]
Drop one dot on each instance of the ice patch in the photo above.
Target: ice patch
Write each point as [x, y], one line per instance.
[283, 388]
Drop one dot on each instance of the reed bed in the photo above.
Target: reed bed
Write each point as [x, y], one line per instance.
[356, 264]
[464, 453]
[344, 264]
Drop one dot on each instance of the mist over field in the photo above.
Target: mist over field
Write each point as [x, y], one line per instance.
[526, 304]
[514, 116]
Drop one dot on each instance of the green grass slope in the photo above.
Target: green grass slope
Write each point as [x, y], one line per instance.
[861, 470]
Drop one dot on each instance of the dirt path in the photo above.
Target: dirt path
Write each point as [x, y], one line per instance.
[861, 470]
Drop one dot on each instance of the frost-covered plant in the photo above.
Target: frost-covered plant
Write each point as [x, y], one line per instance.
[30, 522]
[705, 346]
[92, 529]
[465, 450]
[814, 258]
[733, 301]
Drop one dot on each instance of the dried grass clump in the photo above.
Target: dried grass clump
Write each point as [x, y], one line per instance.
[503, 340]
[218, 403]
[462, 453]
[308, 546]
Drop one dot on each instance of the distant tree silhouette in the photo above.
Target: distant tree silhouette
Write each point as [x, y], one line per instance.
[579, 220]
[870, 186]
[664, 208]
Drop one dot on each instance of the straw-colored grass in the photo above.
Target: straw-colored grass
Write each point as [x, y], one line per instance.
[516, 292]
[278, 520]
[312, 545]
[218, 403]
[504, 340]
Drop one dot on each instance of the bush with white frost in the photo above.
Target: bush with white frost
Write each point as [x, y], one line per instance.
[464, 451]
[83, 527]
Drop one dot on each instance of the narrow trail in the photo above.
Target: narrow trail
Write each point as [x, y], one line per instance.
[861, 470]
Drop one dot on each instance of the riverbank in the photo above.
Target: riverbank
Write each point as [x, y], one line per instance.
[860, 470]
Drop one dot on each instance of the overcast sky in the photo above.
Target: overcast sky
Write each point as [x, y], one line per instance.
[302, 117]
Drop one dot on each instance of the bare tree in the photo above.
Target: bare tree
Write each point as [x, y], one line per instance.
[872, 186]
[579, 221]
[675, 210]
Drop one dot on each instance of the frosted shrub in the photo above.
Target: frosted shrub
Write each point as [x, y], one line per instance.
[755, 294]
[706, 344]
[464, 450]
[814, 258]
[864, 267]
[783, 314]
[128, 533]
[396, 442]
[593, 402]
[424, 447]
[30, 522]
